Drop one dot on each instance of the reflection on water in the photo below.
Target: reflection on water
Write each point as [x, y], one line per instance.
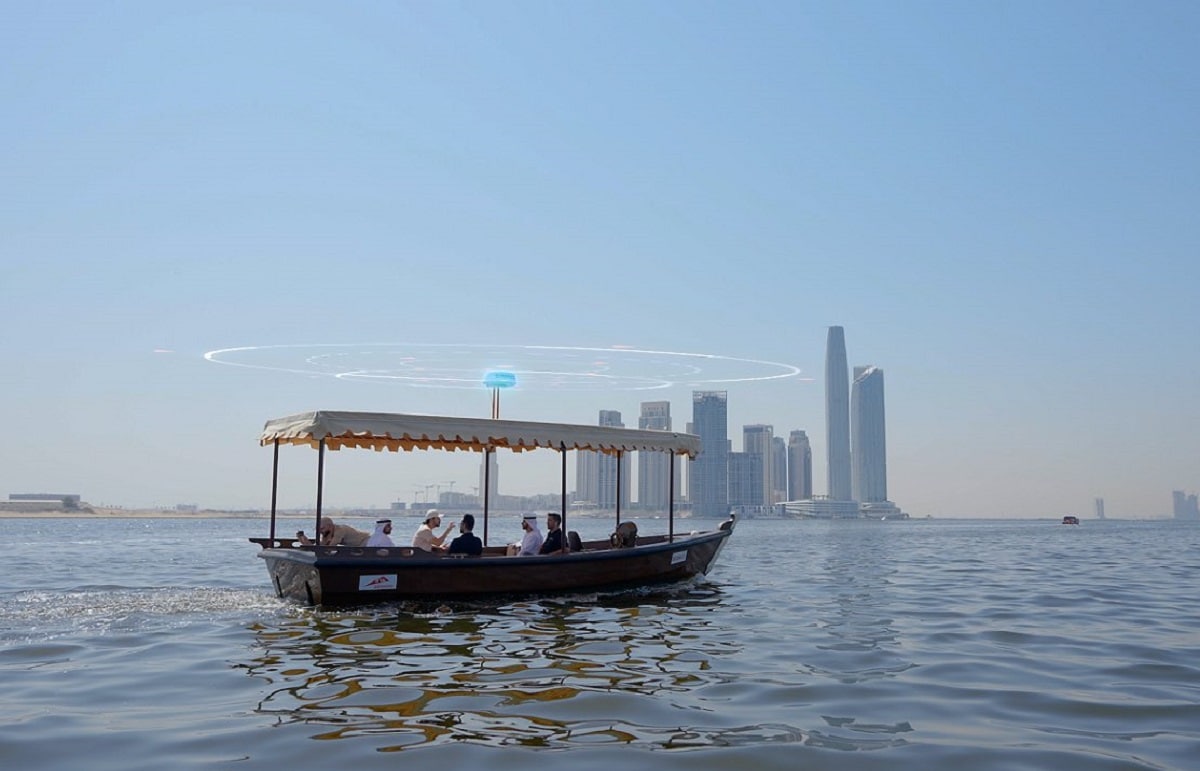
[858, 569]
[547, 673]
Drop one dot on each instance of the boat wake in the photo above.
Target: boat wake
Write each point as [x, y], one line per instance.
[46, 615]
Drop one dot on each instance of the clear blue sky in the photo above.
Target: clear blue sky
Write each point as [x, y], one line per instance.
[997, 201]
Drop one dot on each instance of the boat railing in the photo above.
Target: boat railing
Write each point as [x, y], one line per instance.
[277, 543]
[408, 552]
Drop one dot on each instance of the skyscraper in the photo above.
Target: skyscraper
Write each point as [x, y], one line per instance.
[778, 470]
[745, 481]
[1185, 505]
[800, 487]
[654, 468]
[709, 475]
[758, 439]
[596, 473]
[869, 446]
[587, 478]
[837, 415]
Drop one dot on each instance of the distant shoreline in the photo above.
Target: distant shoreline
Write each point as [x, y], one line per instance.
[137, 514]
[97, 512]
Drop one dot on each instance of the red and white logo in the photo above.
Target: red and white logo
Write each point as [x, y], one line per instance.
[374, 583]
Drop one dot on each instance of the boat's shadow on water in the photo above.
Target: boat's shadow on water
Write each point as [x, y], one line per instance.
[550, 672]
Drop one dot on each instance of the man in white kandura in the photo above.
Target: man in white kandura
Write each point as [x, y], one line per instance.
[382, 535]
[532, 540]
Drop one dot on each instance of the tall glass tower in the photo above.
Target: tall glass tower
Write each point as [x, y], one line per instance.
[837, 415]
[759, 439]
[654, 468]
[779, 470]
[870, 440]
[709, 476]
[596, 473]
[799, 467]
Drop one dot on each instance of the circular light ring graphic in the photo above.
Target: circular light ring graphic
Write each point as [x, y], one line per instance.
[529, 367]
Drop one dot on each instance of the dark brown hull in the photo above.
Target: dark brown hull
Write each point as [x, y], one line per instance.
[340, 576]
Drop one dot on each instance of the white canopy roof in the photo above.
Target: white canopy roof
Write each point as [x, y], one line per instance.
[393, 431]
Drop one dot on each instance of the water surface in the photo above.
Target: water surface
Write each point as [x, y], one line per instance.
[131, 643]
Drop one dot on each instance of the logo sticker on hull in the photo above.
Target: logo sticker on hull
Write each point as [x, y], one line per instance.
[376, 582]
[679, 556]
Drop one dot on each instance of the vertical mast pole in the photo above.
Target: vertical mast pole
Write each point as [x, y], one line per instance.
[320, 483]
[274, 488]
[671, 499]
[563, 452]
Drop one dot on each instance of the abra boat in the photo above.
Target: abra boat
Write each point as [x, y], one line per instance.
[1070, 520]
[344, 575]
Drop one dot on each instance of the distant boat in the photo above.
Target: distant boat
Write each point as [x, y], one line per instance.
[1069, 520]
[342, 575]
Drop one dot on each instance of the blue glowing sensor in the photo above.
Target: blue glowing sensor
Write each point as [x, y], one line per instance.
[500, 379]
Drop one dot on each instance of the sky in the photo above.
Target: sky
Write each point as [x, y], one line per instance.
[997, 201]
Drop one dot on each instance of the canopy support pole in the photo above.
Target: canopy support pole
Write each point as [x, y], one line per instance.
[320, 483]
[671, 500]
[563, 519]
[618, 488]
[487, 485]
[274, 489]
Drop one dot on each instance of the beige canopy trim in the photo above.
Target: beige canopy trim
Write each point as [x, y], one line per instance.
[391, 431]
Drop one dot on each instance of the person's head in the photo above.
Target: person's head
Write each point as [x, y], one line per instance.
[553, 520]
[433, 518]
[467, 524]
[383, 525]
[326, 528]
[529, 522]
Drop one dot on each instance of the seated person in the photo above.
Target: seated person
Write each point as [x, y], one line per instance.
[468, 543]
[625, 536]
[382, 535]
[554, 535]
[329, 534]
[424, 539]
[532, 540]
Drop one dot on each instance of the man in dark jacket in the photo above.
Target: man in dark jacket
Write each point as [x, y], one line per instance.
[468, 543]
[554, 535]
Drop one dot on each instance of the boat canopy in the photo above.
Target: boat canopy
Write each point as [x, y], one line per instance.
[393, 431]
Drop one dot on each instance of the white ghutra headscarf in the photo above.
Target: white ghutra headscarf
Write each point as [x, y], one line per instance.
[380, 538]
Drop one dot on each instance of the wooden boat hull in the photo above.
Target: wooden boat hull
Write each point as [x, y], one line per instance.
[341, 576]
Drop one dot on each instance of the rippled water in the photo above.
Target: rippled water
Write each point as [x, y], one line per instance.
[130, 644]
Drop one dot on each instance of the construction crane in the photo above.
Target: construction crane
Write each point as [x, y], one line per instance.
[437, 488]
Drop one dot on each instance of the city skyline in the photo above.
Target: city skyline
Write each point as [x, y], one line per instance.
[998, 202]
[585, 460]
